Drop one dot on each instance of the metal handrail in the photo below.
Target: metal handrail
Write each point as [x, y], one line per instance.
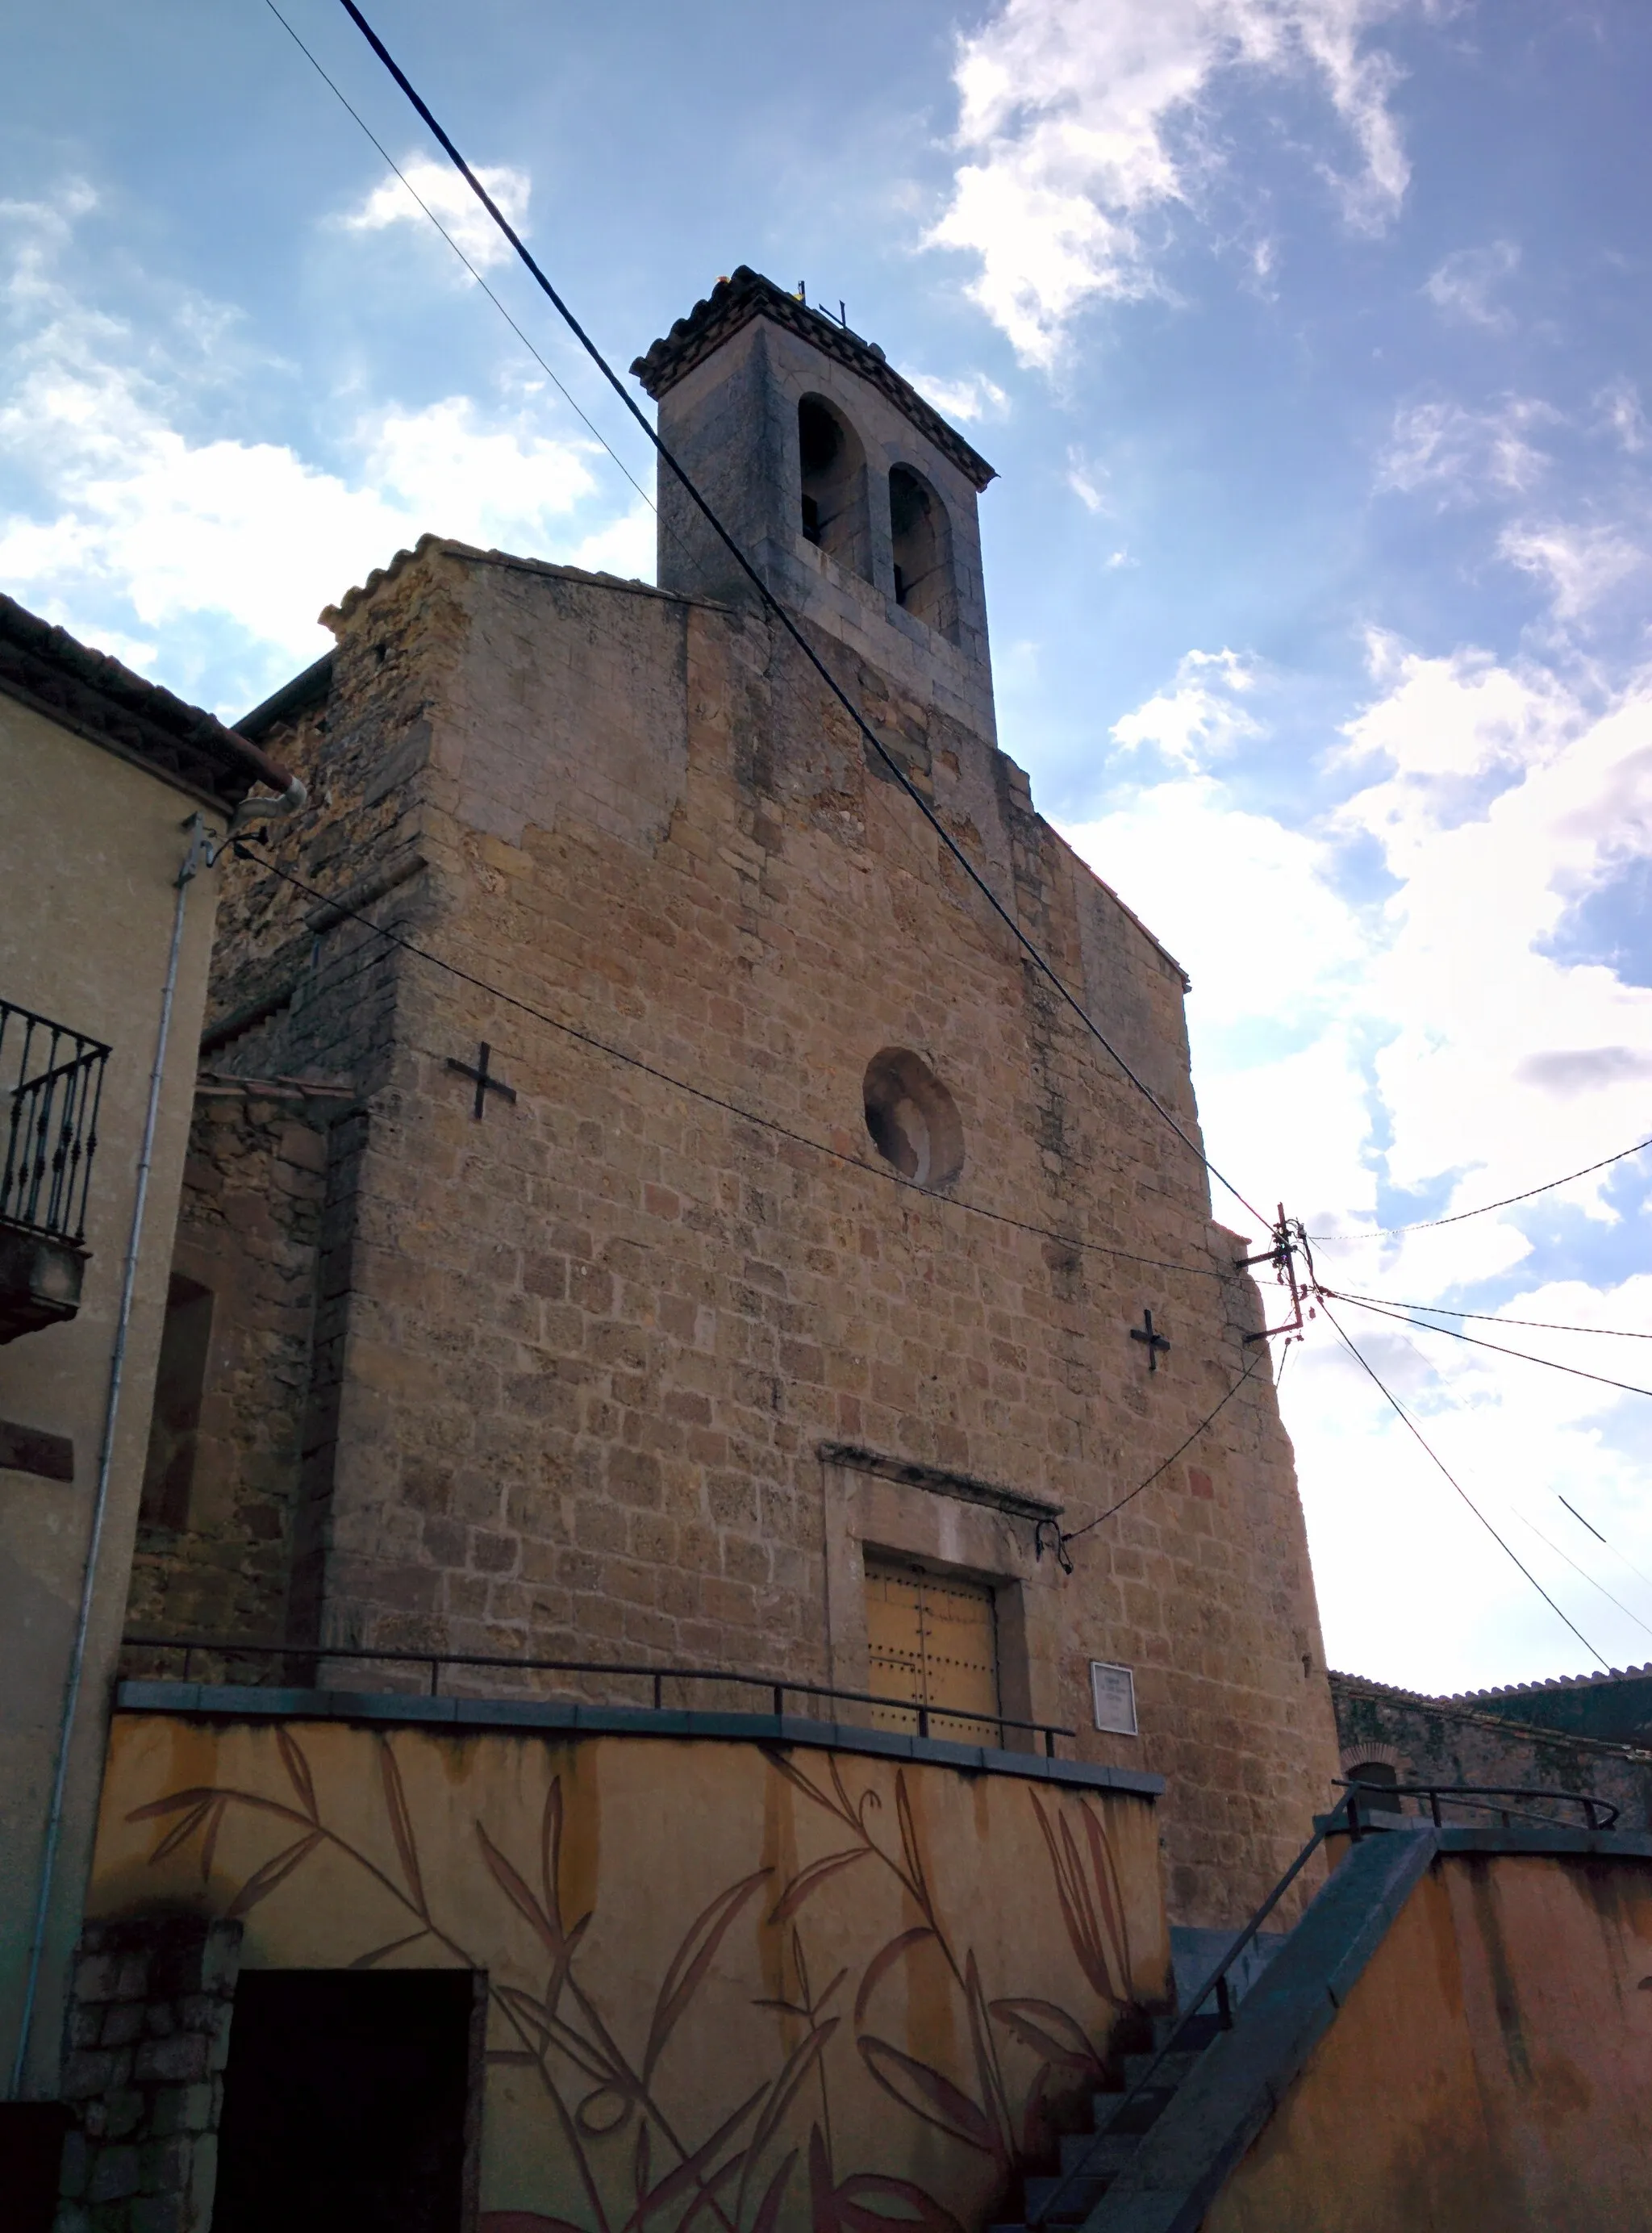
[1217, 1984]
[1471, 1794]
[779, 1687]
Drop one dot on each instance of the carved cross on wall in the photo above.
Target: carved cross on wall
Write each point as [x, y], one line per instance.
[485, 1083]
[1155, 1341]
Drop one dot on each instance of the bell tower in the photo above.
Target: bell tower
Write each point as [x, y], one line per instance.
[851, 496]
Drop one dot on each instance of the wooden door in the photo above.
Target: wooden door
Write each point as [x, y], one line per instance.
[933, 1641]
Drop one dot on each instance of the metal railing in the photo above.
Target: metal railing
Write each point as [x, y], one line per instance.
[1346, 1815]
[53, 1079]
[779, 1688]
[1216, 1985]
[1367, 1799]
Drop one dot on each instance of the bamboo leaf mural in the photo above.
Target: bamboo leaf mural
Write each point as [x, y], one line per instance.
[297, 1767]
[928, 2094]
[569, 2001]
[262, 1882]
[810, 1880]
[693, 1957]
[401, 1829]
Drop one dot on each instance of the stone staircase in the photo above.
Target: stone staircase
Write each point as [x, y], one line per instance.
[1091, 2161]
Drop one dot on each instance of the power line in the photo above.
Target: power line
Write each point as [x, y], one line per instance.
[1497, 1317]
[1455, 1333]
[1209, 1418]
[1599, 1538]
[1584, 1571]
[1412, 1427]
[773, 604]
[1527, 1520]
[244, 852]
[1429, 1224]
[333, 88]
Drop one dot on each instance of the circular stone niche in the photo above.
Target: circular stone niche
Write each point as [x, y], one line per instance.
[912, 1119]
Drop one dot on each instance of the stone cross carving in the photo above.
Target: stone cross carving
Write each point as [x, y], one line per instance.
[1155, 1341]
[485, 1083]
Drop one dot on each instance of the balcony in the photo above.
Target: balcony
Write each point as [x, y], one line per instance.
[52, 1079]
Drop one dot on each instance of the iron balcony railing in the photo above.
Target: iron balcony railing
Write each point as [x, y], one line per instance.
[53, 1080]
[280, 1664]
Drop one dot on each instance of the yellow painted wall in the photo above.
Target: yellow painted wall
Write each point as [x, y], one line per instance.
[1491, 2073]
[827, 1984]
[90, 849]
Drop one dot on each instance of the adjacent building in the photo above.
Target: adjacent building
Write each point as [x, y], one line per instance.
[113, 789]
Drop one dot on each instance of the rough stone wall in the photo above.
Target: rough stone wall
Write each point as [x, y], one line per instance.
[1435, 1740]
[249, 1231]
[583, 1353]
[148, 2036]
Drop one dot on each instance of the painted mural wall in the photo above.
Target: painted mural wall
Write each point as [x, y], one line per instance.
[744, 1988]
[1491, 2072]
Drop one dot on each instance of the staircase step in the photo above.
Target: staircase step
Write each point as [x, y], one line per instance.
[1200, 2031]
[1078, 2196]
[1170, 2073]
[1105, 2151]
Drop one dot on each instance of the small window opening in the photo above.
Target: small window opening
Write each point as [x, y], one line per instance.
[922, 536]
[1376, 1779]
[913, 1120]
[181, 1386]
[834, 512]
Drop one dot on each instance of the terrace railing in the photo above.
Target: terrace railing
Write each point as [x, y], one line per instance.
[52, 1079]
[284, 1664]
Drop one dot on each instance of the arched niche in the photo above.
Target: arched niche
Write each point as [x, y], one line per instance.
[833, 504]
[921, 536]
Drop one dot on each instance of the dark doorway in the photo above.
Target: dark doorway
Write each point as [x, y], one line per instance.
[348, 2102]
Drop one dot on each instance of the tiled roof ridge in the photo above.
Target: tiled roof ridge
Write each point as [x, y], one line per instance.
[746, 295]
[1561, 1683]
[47, 669]
[1452, 1708]
[332, 616]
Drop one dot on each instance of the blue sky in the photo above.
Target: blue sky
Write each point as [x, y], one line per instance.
[1310, 338]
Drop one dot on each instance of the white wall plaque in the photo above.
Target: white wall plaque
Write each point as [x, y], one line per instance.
[1113, 1689]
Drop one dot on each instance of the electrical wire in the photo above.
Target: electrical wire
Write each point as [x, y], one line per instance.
[1526, 1520]
[1497, 1317]
[1455, 1333]
[1599, 1538]
[243, 851]
[774, 606]
[1208, 1420]
[343, 101]
[1430, 1224]
[1412, 1427]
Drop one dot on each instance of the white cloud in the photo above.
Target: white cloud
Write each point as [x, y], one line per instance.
[1619, 405]
[1088, 482]
[1082, 121]
[1430, 1036]
[974, 397]
[445, 195]
[1463, 286]
[1464, 454]
[1199, 718]
[1578, 566]
[137, 527]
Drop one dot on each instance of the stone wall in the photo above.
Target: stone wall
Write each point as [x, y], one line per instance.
[1437, 1740]
[577, 1363]
[148, 2036]
[219, 1560]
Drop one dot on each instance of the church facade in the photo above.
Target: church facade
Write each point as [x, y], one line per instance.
[650, 1210]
